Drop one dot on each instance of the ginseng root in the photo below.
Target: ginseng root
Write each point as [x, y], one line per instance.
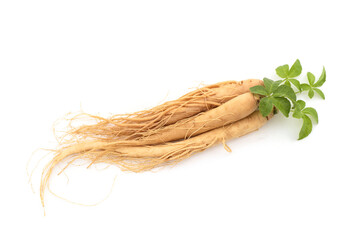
[143, 158]
[136, 125]
[231, 111]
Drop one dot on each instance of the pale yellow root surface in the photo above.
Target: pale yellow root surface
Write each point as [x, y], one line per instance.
[134, 126]
[143, 158]
[229, 112]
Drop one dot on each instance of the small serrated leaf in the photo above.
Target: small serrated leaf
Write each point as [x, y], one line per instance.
[268, 83]
[297, 114]
[311, 78]
[311, 93]
[318, 91]
[296, 83]
[282, 104]
[295, 69]
[259, 90]
[285, 91]
[306, 127]
[299, 104]
[312, 112]
[271, 85]
[322, 79]
[287, 83]
[282, 71]
[265, 106]
[305, 87]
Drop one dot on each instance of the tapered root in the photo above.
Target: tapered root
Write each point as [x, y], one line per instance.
[134, 126]
[144, 158]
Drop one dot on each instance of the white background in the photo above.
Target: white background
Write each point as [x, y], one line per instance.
[122, 56]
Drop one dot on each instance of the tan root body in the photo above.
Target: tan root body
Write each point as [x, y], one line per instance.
[165, 134]
[136, 125]
[143, 158]
[231, 111]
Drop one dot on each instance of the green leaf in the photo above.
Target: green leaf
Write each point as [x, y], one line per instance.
[300, 104]
[287, 83]
[268, 83]
[296, 83]
[312, 112]
[297, 114]
[322, 79]
[280, 96]
[318, 91]
[265, 106]
[311, 93]
[306, 127]
[305, 87]
[282, 104]
[271, 85]
[295, 69]
[285, 91]
[259, 90]
[282, 71]
[311, 78]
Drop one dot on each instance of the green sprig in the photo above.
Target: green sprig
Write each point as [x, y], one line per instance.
[280, 95]
[313, 86]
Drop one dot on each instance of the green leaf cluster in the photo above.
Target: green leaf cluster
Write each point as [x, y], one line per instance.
[274, 96]
[280, 95]
[290, 75]
[304, 113]
[313, 86]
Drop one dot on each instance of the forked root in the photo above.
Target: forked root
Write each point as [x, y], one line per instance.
[134, 126]
[144, 158]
